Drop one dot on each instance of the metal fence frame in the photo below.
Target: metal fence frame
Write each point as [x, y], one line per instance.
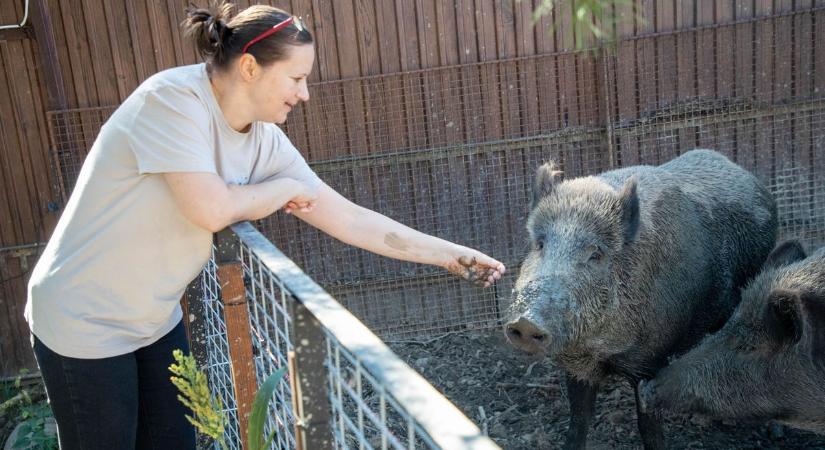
[345, 388]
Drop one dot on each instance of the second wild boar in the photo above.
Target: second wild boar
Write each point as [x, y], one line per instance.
[768, 361]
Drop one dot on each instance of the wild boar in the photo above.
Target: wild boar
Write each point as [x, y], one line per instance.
[632, 266]
[768, 361]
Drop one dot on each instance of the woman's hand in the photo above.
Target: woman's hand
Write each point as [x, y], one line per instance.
[475, 267]
[304, 200]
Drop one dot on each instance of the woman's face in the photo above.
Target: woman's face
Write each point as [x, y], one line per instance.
[283, 84]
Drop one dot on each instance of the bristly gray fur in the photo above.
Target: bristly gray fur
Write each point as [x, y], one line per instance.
[768, 362]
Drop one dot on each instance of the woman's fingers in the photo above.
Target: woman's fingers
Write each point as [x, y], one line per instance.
[299, 206]
[479, 269]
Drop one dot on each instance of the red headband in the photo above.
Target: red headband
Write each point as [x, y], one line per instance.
[266, 33]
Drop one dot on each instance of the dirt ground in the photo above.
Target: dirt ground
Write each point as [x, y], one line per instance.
[521, 402]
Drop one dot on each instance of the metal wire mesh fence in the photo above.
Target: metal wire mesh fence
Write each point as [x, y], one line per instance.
[218, 359]
[72, 133]
[270, 325]
[451, 151]
[346, 389]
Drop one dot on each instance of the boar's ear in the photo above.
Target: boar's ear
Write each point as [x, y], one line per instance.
[785, 253]
[630, 209]
[813, 312]
[547, 176]
[783, 318]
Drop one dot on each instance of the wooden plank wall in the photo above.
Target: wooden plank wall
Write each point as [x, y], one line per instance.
[440, 65]
[107, 48]
[27, 183]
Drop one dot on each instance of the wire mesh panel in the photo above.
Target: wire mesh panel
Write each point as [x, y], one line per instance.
[800, 200]
[364, 415]
[270, 325]
[372, 398]
[72, 133]
[749, 90]
[218, 369]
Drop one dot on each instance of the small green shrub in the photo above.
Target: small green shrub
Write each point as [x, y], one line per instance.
[32, 433]
[209, 417]
[26, 407]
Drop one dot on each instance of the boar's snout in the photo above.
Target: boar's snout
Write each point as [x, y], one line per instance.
[526, 335]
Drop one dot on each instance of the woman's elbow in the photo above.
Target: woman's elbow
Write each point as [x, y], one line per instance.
[213, 217]
[211, 222]
[204, 199]
[222, 218]
[216, 225]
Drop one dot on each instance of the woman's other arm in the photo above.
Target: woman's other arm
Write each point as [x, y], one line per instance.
[207, 201]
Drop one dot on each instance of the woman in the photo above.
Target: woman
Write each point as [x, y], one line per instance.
[190, 152]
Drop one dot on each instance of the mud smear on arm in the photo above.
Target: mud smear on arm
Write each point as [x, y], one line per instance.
[395, 242]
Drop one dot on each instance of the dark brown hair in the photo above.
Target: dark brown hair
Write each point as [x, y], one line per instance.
[220, 38]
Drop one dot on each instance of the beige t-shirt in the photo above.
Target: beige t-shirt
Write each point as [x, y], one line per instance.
[111, 277]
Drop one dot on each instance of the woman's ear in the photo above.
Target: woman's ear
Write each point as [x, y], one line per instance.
[247, 67]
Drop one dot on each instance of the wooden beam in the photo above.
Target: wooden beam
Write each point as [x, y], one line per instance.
[17, 34]
[44, 34]
[55, 88]
[236, 315]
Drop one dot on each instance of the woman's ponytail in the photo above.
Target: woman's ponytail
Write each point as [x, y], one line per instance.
[208, 28]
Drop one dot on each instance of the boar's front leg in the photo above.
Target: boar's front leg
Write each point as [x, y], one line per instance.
[650, 424]
[582, 396]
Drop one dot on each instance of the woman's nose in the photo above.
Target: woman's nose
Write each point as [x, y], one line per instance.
[303, 93]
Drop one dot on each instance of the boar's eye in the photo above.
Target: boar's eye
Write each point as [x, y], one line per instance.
[596, 256]
[540, 244]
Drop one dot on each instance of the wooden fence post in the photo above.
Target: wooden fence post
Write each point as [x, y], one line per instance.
[236, 314]
[308, 377]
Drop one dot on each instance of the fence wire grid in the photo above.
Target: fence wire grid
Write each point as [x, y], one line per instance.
[375, 401]
[218, 361]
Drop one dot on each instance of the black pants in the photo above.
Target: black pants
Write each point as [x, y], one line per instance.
[122, 402]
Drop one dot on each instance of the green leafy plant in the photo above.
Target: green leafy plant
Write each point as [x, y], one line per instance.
[26, 406]
[209, 417]
[9, 389]
[589, 17]
[257, 417]
[32, 433]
